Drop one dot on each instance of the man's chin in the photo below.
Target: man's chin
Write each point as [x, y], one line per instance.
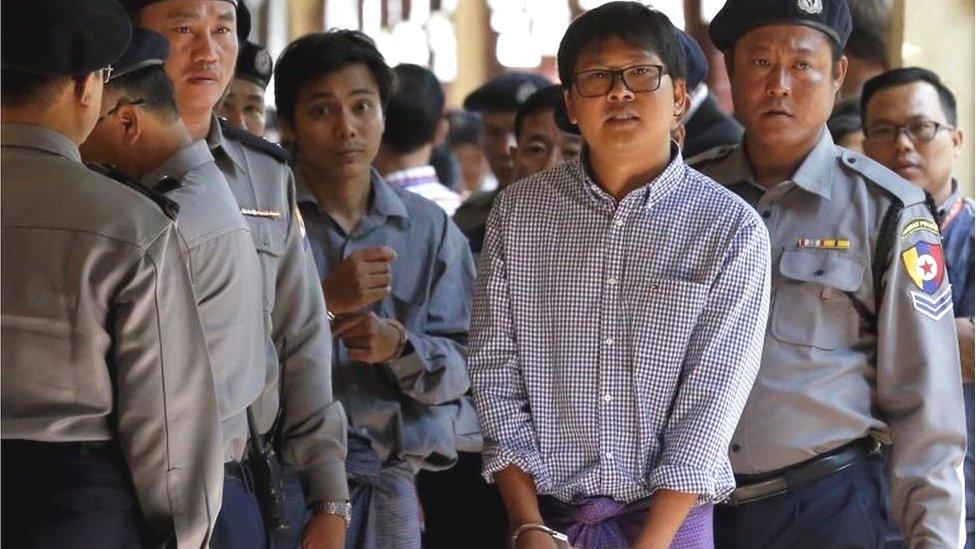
[198, 98]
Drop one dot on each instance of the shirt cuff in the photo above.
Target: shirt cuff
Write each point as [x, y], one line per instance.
[407, 366]
[326, 481]
[710, 487]
[530, 462]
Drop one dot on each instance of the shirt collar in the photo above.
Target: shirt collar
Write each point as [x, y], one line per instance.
[218, 144]
[412, 176]
[179, 164]
[815, 173]
[651, 192]
[384, 202]
[953, 196]
[39, 137]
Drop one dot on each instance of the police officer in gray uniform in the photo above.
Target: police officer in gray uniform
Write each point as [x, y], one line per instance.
[140, 132]
[297, 405]
[109, 418]
[861, 346]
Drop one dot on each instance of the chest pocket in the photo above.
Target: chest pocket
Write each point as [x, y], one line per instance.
[269, 241]
[665, 314]
[810, 306]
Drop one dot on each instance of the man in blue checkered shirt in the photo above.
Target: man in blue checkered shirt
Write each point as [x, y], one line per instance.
[619, 311]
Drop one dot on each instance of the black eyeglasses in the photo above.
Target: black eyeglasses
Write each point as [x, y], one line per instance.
[107, 74]
[115, 109]
[638, 79]
[916, 130]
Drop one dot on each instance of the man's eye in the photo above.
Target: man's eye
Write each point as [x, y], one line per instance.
[535, 150]
[761, 62]
[183, 30]
[598, 75]
[639, 71]
[363, 106]
[223, 30]
[804, 65]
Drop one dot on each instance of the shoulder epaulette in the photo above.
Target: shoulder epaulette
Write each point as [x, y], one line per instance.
[170, 208]
[907, 193]
[715, 153]
[275, 151]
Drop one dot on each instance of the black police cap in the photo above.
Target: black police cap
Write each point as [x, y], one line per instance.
[506, 92]
[696, 64]
[737, 17]
[243, 14]
[62, 37]
[148, 48]
[254, 64]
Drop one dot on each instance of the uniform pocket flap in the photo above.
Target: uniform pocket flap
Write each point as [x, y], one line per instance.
[827, 267]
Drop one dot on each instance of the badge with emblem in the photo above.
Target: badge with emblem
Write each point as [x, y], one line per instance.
[524, 91]
[925, 265]
[262, 62]
[813, 7]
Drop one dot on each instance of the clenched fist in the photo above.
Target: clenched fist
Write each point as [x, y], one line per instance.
[360, 280]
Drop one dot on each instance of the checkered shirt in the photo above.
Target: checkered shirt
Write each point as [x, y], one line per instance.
[613, 345]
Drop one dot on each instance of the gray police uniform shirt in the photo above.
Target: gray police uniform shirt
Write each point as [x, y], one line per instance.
[101, 338]
[827, 378]
[410, 409]
[298, 377]
[227, 281]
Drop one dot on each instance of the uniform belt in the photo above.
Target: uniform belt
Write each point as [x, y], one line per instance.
[239, 470]
[27, 448]
[753, 488]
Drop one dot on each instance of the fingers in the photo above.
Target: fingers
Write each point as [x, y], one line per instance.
[380, 254]
[376, 281]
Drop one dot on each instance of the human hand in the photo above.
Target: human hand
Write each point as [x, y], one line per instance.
[360, 280]
[369, 338]
[324, 531]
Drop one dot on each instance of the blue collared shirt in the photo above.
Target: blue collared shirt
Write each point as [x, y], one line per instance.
[613, 345]
[406, 408]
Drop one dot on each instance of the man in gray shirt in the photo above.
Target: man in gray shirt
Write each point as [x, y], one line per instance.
[861, 346]
[398, 280]
[307, 425]
[140, 133]
[110, 433]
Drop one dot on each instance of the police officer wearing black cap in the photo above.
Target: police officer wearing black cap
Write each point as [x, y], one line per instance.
[706, 125]
[861, 345]
[497, 101]
[140, 132]
[243, 105]
[296, 413]
[109, 418]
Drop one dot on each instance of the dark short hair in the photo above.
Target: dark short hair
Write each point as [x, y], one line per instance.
[414, 110]
[632, 22]
[321, 53]
[867, 44]
[151, 85]
[465, 128]
[904, 76]
[23, 88]
[845, 118]
[546, 99]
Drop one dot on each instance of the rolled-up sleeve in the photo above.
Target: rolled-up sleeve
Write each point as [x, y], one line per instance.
[499, 389]
[718, 372]
[435, 371]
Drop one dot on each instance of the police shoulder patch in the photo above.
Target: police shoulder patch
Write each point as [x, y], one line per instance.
[923, 259]
[276, 151]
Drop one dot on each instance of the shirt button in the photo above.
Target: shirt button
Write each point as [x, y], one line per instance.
[766, 214]
[735, 447]
[619, 222]
[609, 456]
[607, 397]
[611, 281]
[608, 341]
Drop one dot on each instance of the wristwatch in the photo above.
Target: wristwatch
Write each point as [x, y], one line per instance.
[341, 508]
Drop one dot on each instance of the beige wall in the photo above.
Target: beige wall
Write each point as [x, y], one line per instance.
[939, 35]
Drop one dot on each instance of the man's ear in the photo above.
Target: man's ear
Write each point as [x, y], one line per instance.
[132, 122]
[570, 106]
[682, 100]
[88, 89]
[440, 134]
[840, 72]
[958, 137]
